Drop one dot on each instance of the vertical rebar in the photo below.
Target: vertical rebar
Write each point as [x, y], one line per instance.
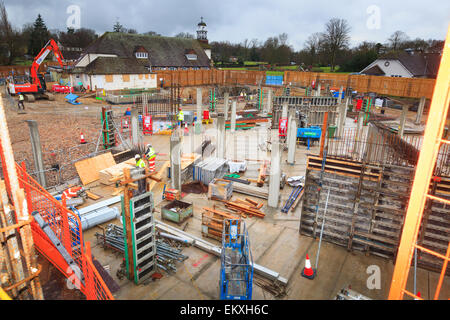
[321, 229]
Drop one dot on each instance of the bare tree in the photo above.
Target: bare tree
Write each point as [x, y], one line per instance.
[396, 39]
[283, 38]
[186, 35]
[336, 38]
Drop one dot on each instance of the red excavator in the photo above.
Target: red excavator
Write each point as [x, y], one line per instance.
[37, 88]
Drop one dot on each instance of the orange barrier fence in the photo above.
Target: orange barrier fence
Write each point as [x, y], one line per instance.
[67, 227]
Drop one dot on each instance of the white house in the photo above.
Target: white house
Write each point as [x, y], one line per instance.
[405, 64]
[130, 61]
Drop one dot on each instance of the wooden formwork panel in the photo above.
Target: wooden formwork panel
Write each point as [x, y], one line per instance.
[375, 224]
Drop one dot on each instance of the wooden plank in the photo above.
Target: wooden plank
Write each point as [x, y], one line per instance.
[88, 169]
[92, 195]
[115, 173]
[159, 175]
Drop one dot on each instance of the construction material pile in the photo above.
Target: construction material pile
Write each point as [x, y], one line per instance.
[210, 168]
[212, 222]
[220, 189]
[245, 208]
[166, 254]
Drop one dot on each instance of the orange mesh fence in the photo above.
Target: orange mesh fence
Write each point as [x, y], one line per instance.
[67, 227]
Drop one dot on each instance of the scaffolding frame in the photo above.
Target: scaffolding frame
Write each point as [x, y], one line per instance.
[420, 190]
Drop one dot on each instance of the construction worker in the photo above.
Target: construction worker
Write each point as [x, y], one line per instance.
[141, 183]
[21, 100]
[139, 162]
[180, 117]
[151, 158]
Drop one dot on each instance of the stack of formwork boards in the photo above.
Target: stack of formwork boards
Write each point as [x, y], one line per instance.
[259, 192]
[209, 169]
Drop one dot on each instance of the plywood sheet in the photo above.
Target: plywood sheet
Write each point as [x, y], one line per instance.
[88, 169]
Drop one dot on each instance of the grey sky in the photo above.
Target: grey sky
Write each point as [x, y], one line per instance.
[235, 20]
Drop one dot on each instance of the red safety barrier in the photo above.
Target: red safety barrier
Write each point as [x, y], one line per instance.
[282, 127]
[147, 124]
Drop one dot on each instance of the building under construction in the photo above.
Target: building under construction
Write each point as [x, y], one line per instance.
[310, 189]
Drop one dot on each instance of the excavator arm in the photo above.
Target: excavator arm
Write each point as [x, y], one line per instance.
[50, 46]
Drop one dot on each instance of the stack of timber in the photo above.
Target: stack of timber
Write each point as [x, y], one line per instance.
[247, 208]
[188, 159]
[220, 189]
[114, 173]
[212, 222]
[245, 123]
[367, 207]
[251, 190]
[262, 173]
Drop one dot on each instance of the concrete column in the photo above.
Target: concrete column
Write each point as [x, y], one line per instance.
[341, 89]
[198, 124]
[233, 116]
[319, 86]
[284, 111]
[221, 137]
[175, 161]
[226, 101]
[268, 106]
[291, 117]
[420, 110]
[37, 152]
[292, 140]
[134, 127]
[401, 128]
[342, 117]
[359, 125]
[275, 173]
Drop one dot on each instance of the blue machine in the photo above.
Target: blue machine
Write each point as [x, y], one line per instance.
[72, 99]
[274, 80]
[236, 270]
[336, 94]
[309, 134]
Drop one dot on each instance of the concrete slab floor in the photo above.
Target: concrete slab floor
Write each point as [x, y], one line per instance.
[275, 243]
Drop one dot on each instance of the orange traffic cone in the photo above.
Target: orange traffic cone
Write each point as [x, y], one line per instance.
[186, 129]
[307, 271]
[82, 141]
[419, 295]
[356, 119]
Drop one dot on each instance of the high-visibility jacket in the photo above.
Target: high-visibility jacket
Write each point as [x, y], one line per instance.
[140, 163]
[150, 153]
[21, 98]
[181, 116]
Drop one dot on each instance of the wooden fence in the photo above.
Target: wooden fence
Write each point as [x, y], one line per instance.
[401, 87]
